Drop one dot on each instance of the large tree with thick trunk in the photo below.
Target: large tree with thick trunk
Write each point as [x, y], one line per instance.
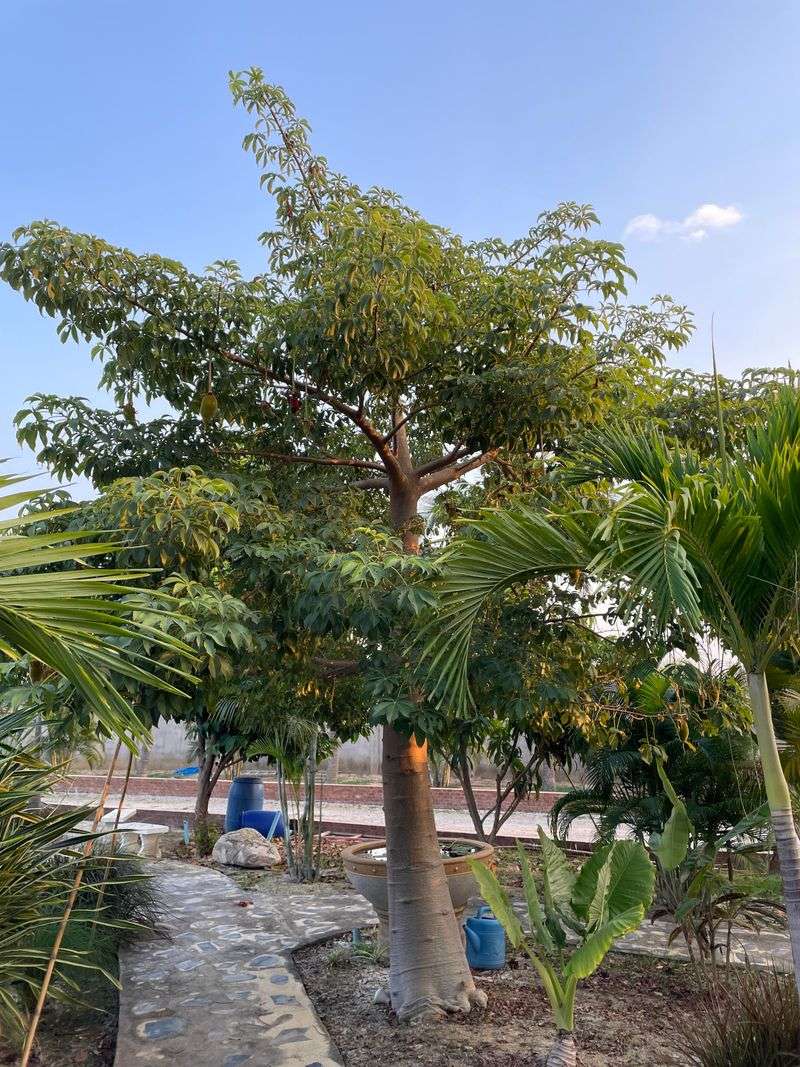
[378, 347]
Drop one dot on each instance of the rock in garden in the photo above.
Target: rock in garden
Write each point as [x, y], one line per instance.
[245, 848]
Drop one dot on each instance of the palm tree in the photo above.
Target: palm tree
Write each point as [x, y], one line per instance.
[715, 543]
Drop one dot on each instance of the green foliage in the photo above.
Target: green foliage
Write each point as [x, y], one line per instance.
[717, 550]
[707, 901]
[672, 844]
[75, 619]
[714, 775]
[605, 900]
[37, 867]
[685, 404]
[176, 519]
[368, 314]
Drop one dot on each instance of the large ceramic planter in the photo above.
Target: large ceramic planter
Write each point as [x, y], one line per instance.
[366, 872]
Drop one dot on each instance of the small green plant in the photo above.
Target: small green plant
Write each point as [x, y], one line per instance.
[707, 905]
[606, 899]
[752, 1019]
[340, 956]
[371, 950]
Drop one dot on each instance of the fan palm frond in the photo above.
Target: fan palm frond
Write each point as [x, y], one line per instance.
[77, 619]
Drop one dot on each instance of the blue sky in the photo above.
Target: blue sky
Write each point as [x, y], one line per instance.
[116, 119]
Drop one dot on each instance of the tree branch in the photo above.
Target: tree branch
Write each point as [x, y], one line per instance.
[296, 457]
[457, 453]
[370, 483]
[398, 425]
[451, 474]
[355, 415]
[336, 668]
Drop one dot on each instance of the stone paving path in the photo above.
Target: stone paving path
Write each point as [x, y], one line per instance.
[224, 992]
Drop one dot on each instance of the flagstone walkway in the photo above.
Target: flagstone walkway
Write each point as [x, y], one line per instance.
[223, 992]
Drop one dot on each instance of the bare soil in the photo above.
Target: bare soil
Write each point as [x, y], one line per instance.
[628, 1013]
[74, 1035]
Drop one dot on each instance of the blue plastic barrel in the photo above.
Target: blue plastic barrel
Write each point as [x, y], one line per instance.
[245, 794]
[264, 821]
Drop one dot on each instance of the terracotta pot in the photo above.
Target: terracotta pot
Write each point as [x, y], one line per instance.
[367, 875]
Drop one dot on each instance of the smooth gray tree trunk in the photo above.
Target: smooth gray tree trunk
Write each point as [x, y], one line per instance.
[428, 971]
[787, 844]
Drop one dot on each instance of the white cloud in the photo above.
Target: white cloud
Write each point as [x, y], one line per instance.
[695, 227]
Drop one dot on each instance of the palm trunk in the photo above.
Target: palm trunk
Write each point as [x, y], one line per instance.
[428, 971]
[564, 1052]
[787, 843]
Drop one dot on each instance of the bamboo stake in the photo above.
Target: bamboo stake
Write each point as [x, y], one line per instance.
[76, 884]
[110, 860]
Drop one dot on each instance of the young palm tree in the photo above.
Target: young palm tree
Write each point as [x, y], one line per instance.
[717, 544]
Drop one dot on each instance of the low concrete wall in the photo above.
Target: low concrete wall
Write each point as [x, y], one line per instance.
[443, 799]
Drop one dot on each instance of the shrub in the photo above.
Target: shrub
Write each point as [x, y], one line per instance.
[40, 852]
[751, 1019]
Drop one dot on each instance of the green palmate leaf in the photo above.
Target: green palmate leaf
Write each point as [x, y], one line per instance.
[537, 920]
[587, 957]
[498, 900]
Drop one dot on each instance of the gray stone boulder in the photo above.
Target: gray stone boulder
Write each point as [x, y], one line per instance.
[245, 848]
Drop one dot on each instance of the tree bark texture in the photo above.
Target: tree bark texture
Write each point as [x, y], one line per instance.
[787, 844]
[205, 786]
[428, 971]
[564, 1052]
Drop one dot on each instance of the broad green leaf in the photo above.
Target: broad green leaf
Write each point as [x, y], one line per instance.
[673, 844]
[586, 882]
[497, 899]
[559, 878]
[625, 881]
[538, 927]
[587, 957]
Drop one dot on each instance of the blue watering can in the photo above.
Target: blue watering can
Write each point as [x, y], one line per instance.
[486, 941]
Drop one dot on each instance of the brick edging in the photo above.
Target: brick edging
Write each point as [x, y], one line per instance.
[334, 792]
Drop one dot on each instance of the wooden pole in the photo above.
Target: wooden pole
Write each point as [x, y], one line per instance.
[62, 926]
[110, 860]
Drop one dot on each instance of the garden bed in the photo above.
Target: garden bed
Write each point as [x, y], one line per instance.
[74, 1035]
[629, 1013]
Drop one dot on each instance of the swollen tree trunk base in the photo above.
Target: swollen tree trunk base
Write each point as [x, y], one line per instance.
[428, 971]
[564, 1052]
